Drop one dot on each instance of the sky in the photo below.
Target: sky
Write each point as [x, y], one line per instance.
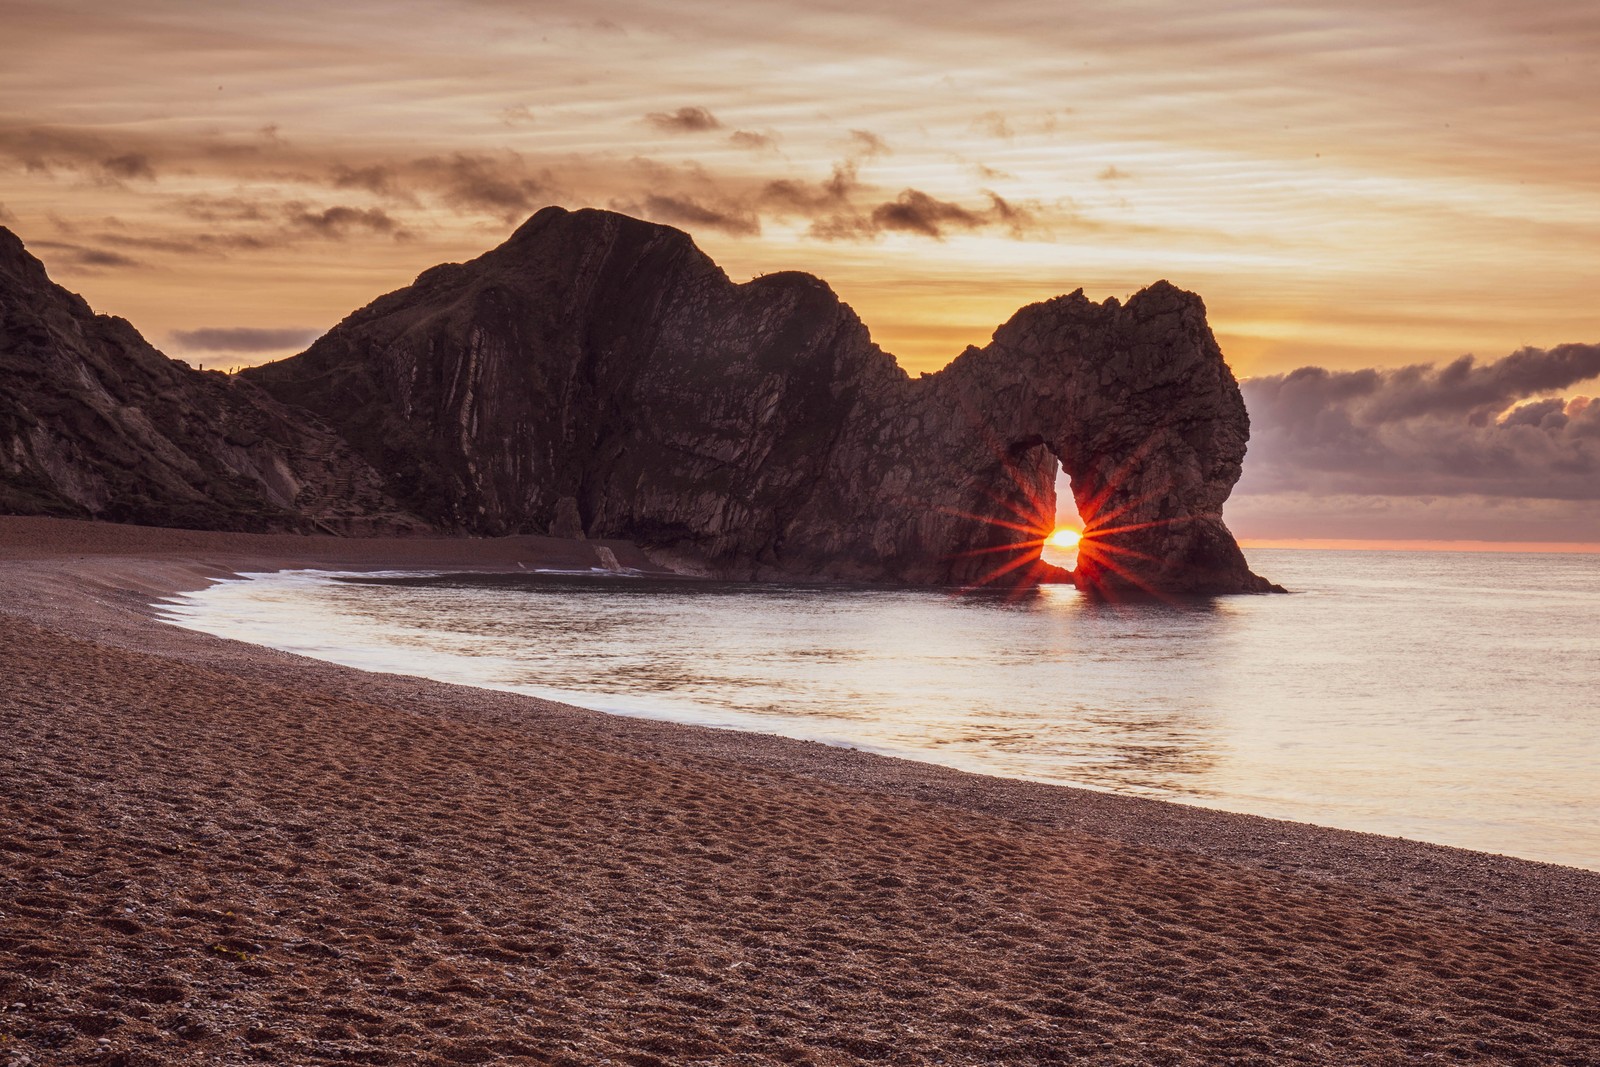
[1355, 187]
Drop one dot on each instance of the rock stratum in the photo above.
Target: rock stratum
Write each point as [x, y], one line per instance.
[598, 375]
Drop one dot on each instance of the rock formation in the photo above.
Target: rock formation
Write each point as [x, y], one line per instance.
[95, 423]
[599, 373]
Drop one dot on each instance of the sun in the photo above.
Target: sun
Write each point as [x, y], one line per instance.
[1065, 537]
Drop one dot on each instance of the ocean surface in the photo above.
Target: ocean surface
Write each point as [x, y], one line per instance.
[1446, 697]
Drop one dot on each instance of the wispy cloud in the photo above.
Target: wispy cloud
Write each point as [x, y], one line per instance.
[916, 212]
[244, 339]
[686, 212]
[339, 221]
[753, 140]
[84, 256]
[1236, 147]
[684, 120]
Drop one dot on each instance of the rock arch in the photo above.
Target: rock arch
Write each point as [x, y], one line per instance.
[600, 372]
[1139, 407]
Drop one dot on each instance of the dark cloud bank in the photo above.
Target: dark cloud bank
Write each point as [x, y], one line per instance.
[1489, 429]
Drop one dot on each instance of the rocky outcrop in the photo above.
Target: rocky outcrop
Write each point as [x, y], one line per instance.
[95, 423]
[597, 374]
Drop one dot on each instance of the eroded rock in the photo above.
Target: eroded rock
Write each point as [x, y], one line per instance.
[602, 369]
[95, 423]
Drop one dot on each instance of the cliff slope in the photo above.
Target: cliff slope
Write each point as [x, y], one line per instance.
[95, 423]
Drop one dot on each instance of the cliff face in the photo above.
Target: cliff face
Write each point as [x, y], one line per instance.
[95, 423]
[599, 374]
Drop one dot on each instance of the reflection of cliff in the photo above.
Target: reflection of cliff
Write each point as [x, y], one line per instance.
[600, 373]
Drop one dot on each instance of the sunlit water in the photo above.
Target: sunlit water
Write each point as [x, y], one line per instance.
[1452, 698]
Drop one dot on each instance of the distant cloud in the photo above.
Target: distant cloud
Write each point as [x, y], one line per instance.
[244, 339]
[864, 144]
[684, 120]
[221, 209]
[517, 116]
[787, 197]
[1113, 173]
[129, 165]
[497, 185]
[750, 139]
[200, 244]
[83, 256]
[916, 212]
[1465, 428]
[994, 124]
[682, 211]
[6, 216]
[340, 221]
[44, 149]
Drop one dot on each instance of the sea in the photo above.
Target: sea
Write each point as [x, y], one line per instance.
[1448, 697]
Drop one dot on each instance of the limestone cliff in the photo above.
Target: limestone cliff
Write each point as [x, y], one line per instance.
[599, 373]
[95, 423]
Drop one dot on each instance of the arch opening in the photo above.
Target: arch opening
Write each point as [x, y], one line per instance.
[1022, 523]
[1061, 546]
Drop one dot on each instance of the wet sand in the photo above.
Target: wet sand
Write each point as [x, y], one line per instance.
[220, 854]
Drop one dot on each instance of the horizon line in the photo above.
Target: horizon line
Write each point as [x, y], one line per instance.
[1394, 544]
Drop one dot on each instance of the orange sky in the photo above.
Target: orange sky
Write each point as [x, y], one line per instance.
[1354, 183]
[1350, 183]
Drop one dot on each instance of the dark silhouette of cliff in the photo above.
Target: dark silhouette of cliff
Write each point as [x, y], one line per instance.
[597, 374]
[95, 423]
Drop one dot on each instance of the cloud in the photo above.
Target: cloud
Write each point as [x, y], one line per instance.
[684, 120]
[916, 212]
[992, 174]
[377, 178]
[496, 185]
[221, 209]
[504, 185]
[202, 244]
[521, 115]
[129, 165]
[864, 144]
[339, 222]
[994, 124]
[84, 256]
[787, 197]
[6, 217]
[1464, 428]
[753, 141]
[46, 150]
[682, 211]
[245, 338]
[1465, 386]
[1113, 173]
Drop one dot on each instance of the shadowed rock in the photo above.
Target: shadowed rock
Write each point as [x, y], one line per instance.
[599, 374]
[95, 423]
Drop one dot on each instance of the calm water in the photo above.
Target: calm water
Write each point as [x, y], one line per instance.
[1447, 697]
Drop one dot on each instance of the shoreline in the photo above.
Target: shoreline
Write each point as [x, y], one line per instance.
[929, 879]
[263, 621]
